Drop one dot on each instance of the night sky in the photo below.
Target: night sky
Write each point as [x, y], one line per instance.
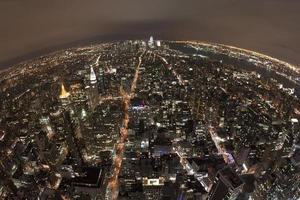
[34, 27]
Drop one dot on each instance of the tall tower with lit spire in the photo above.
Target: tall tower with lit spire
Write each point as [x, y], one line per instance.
[64, 96]
[93, 89]
[93, 78]
[151, 42]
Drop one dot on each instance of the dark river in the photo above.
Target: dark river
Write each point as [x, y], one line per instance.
[241, 63]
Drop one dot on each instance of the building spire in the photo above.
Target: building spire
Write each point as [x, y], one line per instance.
[63, 94]
[93, 78]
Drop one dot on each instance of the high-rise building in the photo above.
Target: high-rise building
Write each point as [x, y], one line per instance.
[151, 42]
[227, 185]
[295, 155]
[71, 140]
[125, 85]
[93, 78]
[152, 188]
[158, 43]
[45, 122]
[93, 89]
[101, 79]
[64, 96]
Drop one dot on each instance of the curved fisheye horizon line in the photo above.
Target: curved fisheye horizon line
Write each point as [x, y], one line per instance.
[257, 53]
[31, 56]
[268, 26]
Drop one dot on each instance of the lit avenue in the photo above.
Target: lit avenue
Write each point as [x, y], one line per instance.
[150, 120]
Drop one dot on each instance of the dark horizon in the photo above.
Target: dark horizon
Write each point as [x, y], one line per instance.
[33, 28]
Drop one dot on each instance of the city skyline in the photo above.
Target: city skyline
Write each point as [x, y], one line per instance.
[34, 28]
[153, 120]
[150, 100]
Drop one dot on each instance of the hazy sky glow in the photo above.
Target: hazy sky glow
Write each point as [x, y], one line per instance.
[34, 27]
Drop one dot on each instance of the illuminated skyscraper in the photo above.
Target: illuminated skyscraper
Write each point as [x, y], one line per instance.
[64, 96]
[158, 43]
[101, 80]
[93, 78]
[93, 89]
[151, 42]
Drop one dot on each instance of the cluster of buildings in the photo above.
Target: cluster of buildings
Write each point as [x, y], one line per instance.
[198, 127]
